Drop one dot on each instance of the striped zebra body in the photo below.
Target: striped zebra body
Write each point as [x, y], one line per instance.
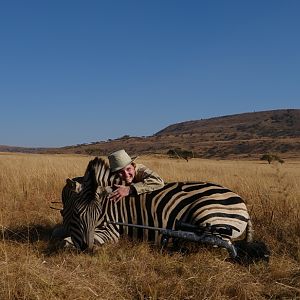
[196, 203]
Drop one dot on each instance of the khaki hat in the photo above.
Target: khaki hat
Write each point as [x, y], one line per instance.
[119, 160]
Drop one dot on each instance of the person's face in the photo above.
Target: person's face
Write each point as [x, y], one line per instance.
[127, 173]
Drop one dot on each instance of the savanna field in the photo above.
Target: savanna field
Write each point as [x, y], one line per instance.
[29, 269]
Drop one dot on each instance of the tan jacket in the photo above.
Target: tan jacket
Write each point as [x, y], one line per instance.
[146, 180]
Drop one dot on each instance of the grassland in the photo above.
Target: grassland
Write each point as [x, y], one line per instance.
[29, 183]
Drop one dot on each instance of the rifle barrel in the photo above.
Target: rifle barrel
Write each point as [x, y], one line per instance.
[191, 236]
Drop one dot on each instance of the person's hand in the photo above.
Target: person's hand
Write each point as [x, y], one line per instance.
[120, 192]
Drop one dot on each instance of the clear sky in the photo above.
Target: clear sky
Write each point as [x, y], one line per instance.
[75, 71]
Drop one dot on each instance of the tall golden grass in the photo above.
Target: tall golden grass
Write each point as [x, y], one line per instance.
[128, 270]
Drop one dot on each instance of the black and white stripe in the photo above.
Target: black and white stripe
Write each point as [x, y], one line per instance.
[69, 195]
[196, 203]
[77, 217]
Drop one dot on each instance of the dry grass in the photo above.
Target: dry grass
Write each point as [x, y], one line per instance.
[28, 184]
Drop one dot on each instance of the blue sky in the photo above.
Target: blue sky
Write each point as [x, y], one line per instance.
[75, 72]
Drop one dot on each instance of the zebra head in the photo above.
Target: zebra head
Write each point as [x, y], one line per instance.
[87, 209]
[86, 217]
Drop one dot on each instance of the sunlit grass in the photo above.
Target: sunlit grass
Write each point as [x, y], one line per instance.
[29, 183]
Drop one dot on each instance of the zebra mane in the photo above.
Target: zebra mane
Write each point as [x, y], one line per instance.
[99, 172]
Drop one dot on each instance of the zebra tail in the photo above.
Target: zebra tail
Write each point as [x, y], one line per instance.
[249, 232]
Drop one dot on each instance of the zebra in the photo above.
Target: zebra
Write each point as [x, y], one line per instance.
[73, 190]
[90, 215]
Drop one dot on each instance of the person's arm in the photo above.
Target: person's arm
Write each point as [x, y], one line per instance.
[146, 180]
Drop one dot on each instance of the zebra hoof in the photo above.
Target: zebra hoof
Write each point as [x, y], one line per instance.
[67, 243]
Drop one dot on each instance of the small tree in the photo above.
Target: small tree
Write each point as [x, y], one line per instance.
[179, 153]
[271, 157]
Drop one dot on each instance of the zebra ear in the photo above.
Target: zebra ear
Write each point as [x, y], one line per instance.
[89, 175]
[70, 183]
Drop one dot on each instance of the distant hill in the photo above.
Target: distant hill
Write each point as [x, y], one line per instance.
[242, 136]
[5, 148]
[267, 124]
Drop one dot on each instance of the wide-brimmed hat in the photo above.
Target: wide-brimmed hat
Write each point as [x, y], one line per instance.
[119, 160]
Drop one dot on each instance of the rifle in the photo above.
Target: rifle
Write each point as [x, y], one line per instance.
[198, 234]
